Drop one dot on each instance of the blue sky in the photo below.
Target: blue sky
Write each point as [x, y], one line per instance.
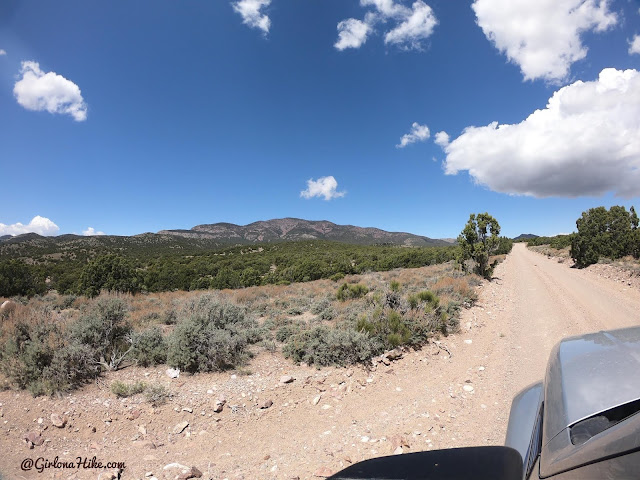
[130, 117]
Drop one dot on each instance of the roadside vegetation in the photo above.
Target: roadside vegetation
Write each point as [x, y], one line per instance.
[602, 236]
[322, 303]
[56, 343]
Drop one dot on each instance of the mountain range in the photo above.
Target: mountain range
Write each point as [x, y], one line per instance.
[291, 229]
[206, 237]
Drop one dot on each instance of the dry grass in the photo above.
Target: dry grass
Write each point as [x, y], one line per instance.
[561, 254]
[274, 306]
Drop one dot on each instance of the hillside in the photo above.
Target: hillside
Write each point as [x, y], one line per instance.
[205, 238]
[292, 229]
[525, 236]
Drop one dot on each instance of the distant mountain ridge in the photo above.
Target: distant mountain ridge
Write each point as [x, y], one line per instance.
[291, 229]
[526, 236]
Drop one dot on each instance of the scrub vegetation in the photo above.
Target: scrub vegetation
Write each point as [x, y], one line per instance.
[56, 343]
[29, 271]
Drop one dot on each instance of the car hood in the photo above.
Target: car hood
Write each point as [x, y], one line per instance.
[587, 375]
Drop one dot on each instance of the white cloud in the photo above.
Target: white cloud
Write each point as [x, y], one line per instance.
[38, 91]
[387, 8]
[585, 142]
[634, 45]
[38, 224]
[91, 231]
[416, 27]
[418, 133]
[542, 36]
[441, 139]
[326, 187]
[410, 26]
[352, 33]
[2, 52]
[250, 11]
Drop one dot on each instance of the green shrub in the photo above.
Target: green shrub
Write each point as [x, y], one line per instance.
[387, 327]
[346, 291]
[170, 317]
[295, 310]
[323, 346]
[19, 279]
[123, 390]
[213, 337]
[65, 301]
[108, 272]
[29, 350]
[284, 332]
[36, 358]
[427, 298]
[336, 277]
[156, 394]
[394, 286]
[72, 366]
[149, 347]
[323, 309]
[105, 329]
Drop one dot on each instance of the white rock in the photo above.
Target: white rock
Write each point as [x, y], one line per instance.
[468, 341]
[398, 451]
[468, 388]
[286, 379]
[179, 428]
[316, 399]
[173, 372]
[364, 439]
[176, 465]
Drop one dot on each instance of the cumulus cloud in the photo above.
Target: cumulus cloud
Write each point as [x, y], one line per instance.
[634, 45]
[326, 187]
[251, 13]
[36, 90]
[441, 139]
[38, 224]
[543, 37]
[418, 133]
[352, 33]
[416, 27]
[410, 26]
[91, 231]
[585, 142]
[2, 52]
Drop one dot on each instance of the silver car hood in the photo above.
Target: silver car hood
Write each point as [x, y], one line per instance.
[587, 375]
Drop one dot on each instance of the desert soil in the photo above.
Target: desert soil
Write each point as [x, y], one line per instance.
[455, 393]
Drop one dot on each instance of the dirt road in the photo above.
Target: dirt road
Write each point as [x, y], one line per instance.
[532, 304]
[457, 393]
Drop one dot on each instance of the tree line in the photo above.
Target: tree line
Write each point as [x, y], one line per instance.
[219, 269]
